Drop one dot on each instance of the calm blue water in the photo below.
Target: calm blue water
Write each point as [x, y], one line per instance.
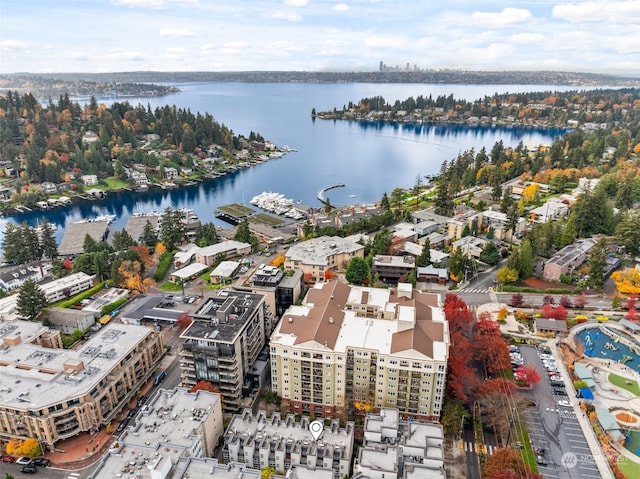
[369, 158]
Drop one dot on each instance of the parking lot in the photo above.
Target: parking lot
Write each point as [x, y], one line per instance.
[553, 427]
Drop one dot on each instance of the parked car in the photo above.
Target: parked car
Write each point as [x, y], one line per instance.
[559, 392]
[30, 469]
[540, 460]
[23, 461]
[539, 451]
[7, 458]
[563, 403]
[41, 461]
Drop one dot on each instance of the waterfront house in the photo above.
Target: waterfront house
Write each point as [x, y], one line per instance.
[49, 188]
[89, 180]
[14, 276]
[170, 173]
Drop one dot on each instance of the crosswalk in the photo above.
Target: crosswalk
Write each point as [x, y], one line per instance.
[73, 475]
[469, 446]
[474, 290]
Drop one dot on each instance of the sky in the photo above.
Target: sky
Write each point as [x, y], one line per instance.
[46, 36]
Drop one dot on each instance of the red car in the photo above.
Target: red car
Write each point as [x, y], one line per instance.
[7, 459]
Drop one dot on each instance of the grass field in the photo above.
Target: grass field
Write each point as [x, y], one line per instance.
[629, 468]
[115, 184]
[624, 383]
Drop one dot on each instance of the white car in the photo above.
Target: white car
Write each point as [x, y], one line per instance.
[23, 461]
[563, 403]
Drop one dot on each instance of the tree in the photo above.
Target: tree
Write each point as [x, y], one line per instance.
[382, 242]
[526, 260]
[327, 205]
[149, 235]
[206, 234]
[565, 301]
[507, 463]
[31, 448]
[48, 240]
[357, 271]
[444, 204]
[172, 228]
[328, 274]
[506, 275]
[456, 264]
[528, 374]
[384, 202]
[548, 299]
[130, 273]
[31, 300]
[267, 472]
[580, 301]
[424, 259]
[627, 232]
[569, 231]
[560, 313]
[490, 253]
[517, 300]
[627, 280]
[203, 385]
[597, 264]
[183, 321]
[452, 415]
[244, 234]
[488, 345]
[122, 240]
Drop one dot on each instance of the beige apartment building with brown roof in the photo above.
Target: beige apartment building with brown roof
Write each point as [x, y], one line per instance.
[385, 347]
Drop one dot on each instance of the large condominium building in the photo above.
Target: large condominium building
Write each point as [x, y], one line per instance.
[385, 347]
[262, 441]
[53, 394]
[222, 344]
[317, 255]
[173, 424]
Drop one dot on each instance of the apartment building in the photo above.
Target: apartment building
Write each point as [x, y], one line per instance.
[568, 259]
[54, 394]
[397, 449]
[14, 277]
[279, 442]
[392, 268]
[222, 344]
[385, 347]
[317, 255]
[173, 424]
[67, 286]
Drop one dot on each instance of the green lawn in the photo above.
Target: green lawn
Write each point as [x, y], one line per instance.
[171, 286]
[629, 468]
[115, 184]
[629, 384]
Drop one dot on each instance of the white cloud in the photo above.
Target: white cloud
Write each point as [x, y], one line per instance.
[289, 16]
[599, 12]
[283, 47]
[385, 42]
[141, 3]
[296, 3]
[508, 16]
[340, 7]
[9, 45]
[176, 32]
[175, 50]
[234, 44]
[527, 38]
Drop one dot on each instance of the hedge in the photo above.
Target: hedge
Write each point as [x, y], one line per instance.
[111, 306]
[163, 266]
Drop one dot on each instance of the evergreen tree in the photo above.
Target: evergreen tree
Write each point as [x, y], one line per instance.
[122, 240]
[172, 228]
[425, 255]
[206, 234]
[526, 260]
[384, 202]
[149, 235]
[244, 235]
[89, 245]
[490, 253]
[569, 232]
[444, 204]
[12, 246]
[628, 231]
[597, 263]
[31, 300]
[48, 240]
[382, 242]
[456, 264]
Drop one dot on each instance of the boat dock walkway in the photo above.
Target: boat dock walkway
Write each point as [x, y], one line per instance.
[322, 191]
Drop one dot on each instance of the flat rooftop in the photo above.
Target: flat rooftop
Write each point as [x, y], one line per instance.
[170, 419]
[148, 307]
[33, 377]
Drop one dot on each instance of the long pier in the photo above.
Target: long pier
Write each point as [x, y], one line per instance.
[322, 191]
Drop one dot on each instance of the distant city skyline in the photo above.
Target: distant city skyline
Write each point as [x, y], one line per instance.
[598, 36]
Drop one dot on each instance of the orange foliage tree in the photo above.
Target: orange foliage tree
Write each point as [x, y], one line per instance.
[507, 463]
[329, 274]
[131, 273]
[278, 261]
[627, 280]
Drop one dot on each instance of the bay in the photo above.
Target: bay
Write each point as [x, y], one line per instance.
[370, 159]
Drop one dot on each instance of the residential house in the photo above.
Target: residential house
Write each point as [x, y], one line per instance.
[49, 188]
[170, 173]
[227, 249]
[472, 246]
[551, 210]
[90, 137]
[69, 320]
[499, 223]
[89, 180]
[431, 274]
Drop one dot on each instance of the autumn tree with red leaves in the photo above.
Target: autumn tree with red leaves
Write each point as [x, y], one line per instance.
[499, 405]
[580, 301]
[203, 385]
[489, 346]
[517, 300]
[507, 463]
[461, 378]
[528, 374]
[183, 321]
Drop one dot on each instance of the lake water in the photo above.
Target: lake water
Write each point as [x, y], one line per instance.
[369, 158]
